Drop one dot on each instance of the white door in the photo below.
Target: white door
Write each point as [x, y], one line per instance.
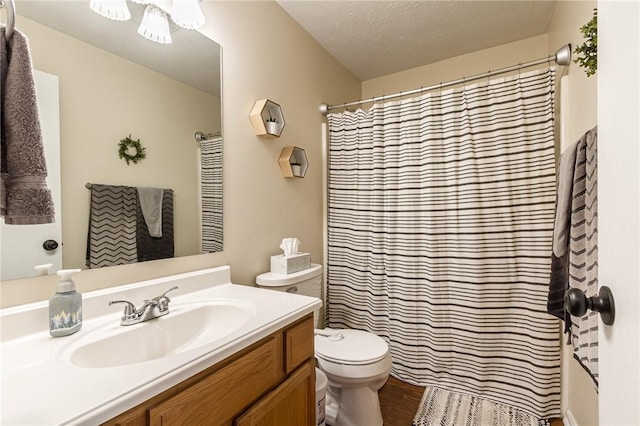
[22, 245]
[619, 207]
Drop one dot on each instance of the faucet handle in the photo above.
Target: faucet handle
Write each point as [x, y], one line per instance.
[163, 301]
[130, 311]
[171, 289]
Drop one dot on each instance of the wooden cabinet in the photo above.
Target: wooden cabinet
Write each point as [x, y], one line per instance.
[272, 382]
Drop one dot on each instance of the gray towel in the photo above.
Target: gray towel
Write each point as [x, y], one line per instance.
[559, 280]
[563, 204]
[24, 196]
[150, 248]
[151, 206]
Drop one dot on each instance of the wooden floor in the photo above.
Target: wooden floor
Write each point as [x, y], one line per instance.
[399, 402]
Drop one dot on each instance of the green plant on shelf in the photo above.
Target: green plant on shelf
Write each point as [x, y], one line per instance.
[588, 51]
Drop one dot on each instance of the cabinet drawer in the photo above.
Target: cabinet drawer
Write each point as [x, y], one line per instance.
[218, 398]
[298, 343]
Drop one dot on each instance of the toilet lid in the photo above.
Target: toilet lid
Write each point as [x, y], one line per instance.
[355, 347]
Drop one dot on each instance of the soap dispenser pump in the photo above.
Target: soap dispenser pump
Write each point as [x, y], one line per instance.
[65, 307]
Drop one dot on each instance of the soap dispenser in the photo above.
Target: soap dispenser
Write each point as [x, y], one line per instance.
[65, 307]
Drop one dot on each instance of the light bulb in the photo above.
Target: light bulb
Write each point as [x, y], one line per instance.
[112, 9]
[154, 25]
[187, 14]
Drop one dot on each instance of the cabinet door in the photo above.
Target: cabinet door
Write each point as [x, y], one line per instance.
[298, 343]
[291, 403]
[217, 399]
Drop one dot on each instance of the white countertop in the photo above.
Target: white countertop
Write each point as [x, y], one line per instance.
[41, 386]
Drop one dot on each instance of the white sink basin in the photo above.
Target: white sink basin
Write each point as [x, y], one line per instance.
[186, 327]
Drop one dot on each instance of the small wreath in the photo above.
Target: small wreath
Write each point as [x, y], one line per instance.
[127, 148]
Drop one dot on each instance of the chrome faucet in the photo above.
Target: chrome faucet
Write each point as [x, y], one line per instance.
[150, 309]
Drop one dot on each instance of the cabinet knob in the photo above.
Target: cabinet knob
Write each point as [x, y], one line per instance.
[577, 304]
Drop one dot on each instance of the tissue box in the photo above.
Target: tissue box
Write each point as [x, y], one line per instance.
[281, 264]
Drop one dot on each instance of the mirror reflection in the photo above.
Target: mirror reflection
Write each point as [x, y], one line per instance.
[112, 84]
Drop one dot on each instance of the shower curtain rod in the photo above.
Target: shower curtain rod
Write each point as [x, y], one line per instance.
[201, 136]
[561, 57]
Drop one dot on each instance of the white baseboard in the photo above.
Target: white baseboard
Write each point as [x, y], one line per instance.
[568, 419]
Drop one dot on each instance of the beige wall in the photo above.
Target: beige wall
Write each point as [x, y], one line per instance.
[265, 55]
[458, 67]
[578, 108]
[103, 99]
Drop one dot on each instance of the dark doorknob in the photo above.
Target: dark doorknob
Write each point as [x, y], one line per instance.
[50, 245]
[577, 303]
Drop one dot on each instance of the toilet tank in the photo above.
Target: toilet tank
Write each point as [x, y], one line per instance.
[307, 282]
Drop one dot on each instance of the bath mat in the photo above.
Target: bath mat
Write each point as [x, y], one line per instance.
[439, 407]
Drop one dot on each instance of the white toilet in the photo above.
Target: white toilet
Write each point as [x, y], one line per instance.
[357, 363]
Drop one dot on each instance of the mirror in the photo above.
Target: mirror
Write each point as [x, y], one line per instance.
[113, 84]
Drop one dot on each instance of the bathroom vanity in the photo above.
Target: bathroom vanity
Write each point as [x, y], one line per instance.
[271, 382]
[225, 354]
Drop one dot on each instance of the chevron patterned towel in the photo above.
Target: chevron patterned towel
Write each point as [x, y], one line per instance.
[583, 250]
[112, 226]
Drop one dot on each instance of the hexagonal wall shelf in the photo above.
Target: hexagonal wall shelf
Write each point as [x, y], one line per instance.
[266, 118]
[293, 162]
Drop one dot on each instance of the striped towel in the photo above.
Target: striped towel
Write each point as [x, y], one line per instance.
[112, 226]
[583, 250]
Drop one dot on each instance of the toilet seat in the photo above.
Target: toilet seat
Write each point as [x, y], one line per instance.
[350, 347]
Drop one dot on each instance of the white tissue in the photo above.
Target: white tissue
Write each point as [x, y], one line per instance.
[290, 246]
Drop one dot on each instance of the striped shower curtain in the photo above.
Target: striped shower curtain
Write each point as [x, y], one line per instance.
[440, 216]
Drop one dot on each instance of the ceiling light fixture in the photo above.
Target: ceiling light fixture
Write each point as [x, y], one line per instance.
[154, 25]
[112, 9]
[187, 14]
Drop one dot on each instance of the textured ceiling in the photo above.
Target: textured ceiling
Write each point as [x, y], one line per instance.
[376, 38]
[370, 38]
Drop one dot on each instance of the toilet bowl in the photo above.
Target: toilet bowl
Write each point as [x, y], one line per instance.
[356, 363]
